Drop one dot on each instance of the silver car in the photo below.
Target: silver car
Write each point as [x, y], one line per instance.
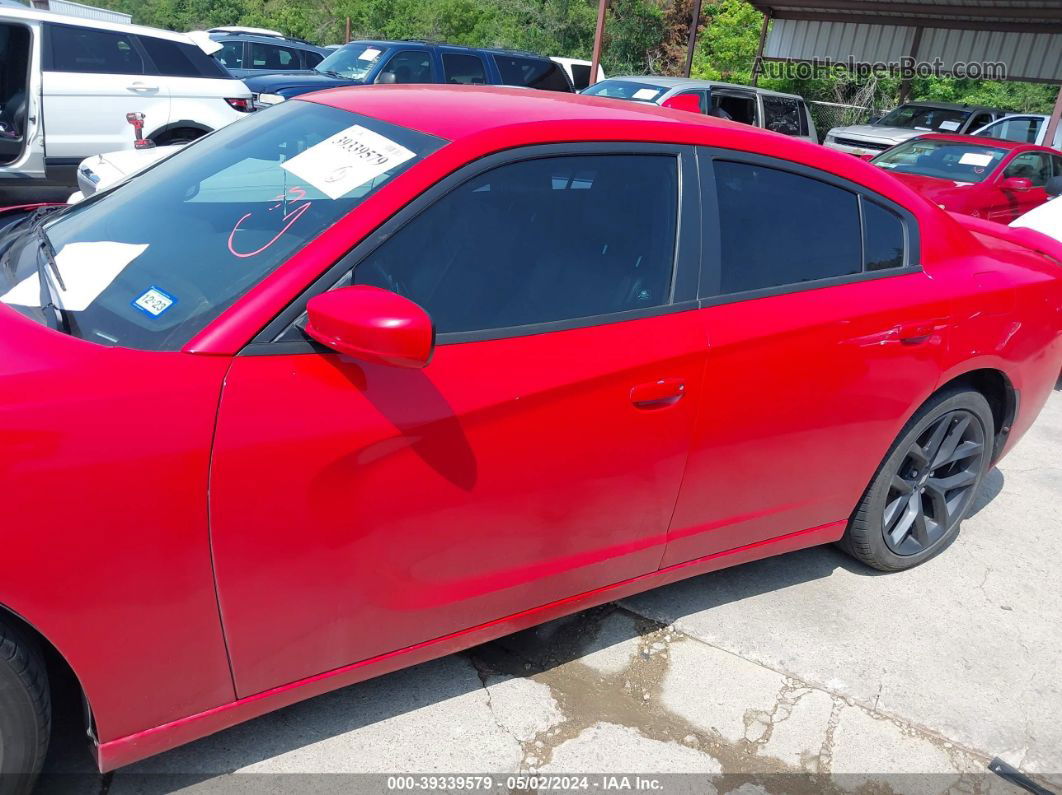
[908, 121]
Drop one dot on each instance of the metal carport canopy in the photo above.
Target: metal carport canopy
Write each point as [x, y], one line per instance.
[1024, 35]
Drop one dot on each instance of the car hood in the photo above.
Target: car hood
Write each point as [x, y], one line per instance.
[934, 189]
[873, 133]
[295, 83]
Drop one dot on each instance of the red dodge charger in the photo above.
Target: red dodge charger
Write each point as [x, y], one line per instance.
[382, 373]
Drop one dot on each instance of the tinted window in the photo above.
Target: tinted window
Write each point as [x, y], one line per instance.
[174, 59]
[883, 238]
[408, 66]
[1057, 161]
[270, 56]
[539, 73]
[231, 54]
[97, 51]
[783, 115]
[538, 241]
[186, 238]
[1034, 166]
[779, 228]
[310, 58]
[580, 75]
[979, 121]
[465, 69]
[1023, 129]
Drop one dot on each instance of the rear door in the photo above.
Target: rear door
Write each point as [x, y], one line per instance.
[824, 334]
[358, 509]
[463, 68]
[92, 79]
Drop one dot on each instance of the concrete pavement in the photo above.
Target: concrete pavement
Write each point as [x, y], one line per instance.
[805, 663]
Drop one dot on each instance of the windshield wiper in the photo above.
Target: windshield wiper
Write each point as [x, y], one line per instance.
[54, 314]
[330, 73]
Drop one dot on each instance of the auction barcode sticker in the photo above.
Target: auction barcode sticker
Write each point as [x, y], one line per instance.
[350, 158]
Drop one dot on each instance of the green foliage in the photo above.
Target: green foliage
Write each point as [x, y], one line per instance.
[642, 36]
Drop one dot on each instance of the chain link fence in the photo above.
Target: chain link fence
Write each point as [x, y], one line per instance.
[828, 115]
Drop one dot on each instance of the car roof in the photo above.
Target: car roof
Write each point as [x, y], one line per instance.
[691, 82]
[217, 34]
[981, 140]
[430, 43]
[953, 106]
[98, 24]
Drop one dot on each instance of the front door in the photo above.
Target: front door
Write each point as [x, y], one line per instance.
[1008, 203]
[358, 509]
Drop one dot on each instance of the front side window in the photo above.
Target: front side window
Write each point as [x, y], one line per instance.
[537, 241]
[778, 228]
[150, 262]
[74, 49]
[538, 73]
[1033, 166]
[950, 160]
[408, 66]
[463, 69]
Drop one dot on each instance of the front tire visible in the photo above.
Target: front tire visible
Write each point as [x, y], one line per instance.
[25, 712]
[923, 490]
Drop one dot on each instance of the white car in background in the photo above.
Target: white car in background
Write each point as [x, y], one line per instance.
[69, 82]
[1047, 218]
[100, 172]
[1030, 128]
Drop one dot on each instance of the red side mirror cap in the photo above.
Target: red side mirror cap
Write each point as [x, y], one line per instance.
[688, 102]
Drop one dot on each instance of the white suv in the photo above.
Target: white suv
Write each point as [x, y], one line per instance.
[1030, 128]
[66, 85]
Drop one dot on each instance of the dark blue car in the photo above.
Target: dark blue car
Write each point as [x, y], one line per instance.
[390, 62]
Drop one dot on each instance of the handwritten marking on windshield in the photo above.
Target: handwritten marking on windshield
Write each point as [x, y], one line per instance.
[291, 214]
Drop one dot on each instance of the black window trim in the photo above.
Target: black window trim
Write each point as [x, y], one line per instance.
[685, 265]
[711, 260]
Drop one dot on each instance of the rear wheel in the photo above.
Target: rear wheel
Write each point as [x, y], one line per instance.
[178, 136]
[913, 508]
[25, 712]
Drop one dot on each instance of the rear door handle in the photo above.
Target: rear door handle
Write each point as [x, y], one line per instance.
[917, 333]
[658, 394]
[138, 86]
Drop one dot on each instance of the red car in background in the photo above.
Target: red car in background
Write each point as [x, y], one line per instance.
[383, 373]
[990, 179]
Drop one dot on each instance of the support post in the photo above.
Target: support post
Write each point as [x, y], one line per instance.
[695, 20]
[599, 34]
[1054, 121]
[905, 84]
[757, 65]
[346, 35]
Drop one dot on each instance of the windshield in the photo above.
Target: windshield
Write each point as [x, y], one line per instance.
[149, 263]
[354, 61]
[925, 118]
[953, 160]
[625, 89]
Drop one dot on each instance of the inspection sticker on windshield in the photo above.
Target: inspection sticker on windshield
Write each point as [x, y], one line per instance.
[154, 301]
[348, 159]
[974, 159]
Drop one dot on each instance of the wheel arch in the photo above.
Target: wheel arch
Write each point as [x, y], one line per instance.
[183, 124]
[997, 388]
[57, 662]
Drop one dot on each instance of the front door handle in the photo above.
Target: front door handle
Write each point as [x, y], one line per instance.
[658, 394]
[141, 87]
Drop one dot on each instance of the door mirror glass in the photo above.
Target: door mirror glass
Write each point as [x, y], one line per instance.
[373, 325]
[1017, 183]
[688, 102]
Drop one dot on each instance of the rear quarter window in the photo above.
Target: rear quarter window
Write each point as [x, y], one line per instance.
[177, 59]
[538, 73]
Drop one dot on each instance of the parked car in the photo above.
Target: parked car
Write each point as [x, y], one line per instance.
[68, 83]
[1030, 128]
[579, 71]
[784, 113]
[1047, 218]
[443, 363]
[908, 121]
[391, 62]
[997, 180]
[247, 52]
[103, 171]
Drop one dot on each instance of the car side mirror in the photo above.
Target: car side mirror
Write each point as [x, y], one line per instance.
[1016, 183]
[386, 78]
[687, 102]
[1054, 186]
[373, 325]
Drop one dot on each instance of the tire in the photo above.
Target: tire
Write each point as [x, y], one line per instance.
[914, 505]
[25, 712]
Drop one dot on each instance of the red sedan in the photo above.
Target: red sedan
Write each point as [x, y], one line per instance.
[382, 373]
[985, 178]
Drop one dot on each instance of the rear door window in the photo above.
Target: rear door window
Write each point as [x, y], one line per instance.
[463, 69]
[76, 49]
[231, 54]
[540, 73]
[271, 56]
